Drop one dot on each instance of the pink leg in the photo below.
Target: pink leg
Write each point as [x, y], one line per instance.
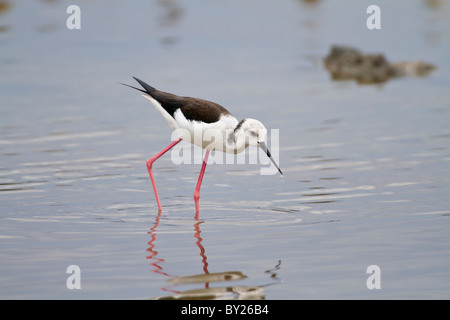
[199, 182]
[150, 163]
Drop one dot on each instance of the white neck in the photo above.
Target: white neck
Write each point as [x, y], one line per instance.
[236, 141]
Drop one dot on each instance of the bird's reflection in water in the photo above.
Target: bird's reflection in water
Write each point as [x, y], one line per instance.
[205, 292]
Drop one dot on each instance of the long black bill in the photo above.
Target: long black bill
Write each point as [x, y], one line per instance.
[263, 146]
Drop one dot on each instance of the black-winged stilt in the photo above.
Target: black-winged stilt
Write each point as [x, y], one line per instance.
[192, 118]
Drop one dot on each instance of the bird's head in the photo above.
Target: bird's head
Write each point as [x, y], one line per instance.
[255, 133]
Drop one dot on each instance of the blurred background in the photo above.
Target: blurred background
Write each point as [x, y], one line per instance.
[366, 165]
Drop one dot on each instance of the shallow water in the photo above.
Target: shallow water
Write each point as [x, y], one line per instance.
[367, 173]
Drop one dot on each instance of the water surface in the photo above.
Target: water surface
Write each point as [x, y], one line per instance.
[367, 173]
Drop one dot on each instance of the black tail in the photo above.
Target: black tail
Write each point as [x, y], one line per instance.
[168, 101]
[148, 89]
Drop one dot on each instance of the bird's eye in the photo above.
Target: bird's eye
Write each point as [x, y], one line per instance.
[253, 133]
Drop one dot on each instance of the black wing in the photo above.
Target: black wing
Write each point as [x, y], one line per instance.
[192, 108]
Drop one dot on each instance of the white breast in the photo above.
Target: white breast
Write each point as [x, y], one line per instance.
[211, 136]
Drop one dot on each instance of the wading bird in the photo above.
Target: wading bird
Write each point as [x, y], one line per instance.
[192, 117]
